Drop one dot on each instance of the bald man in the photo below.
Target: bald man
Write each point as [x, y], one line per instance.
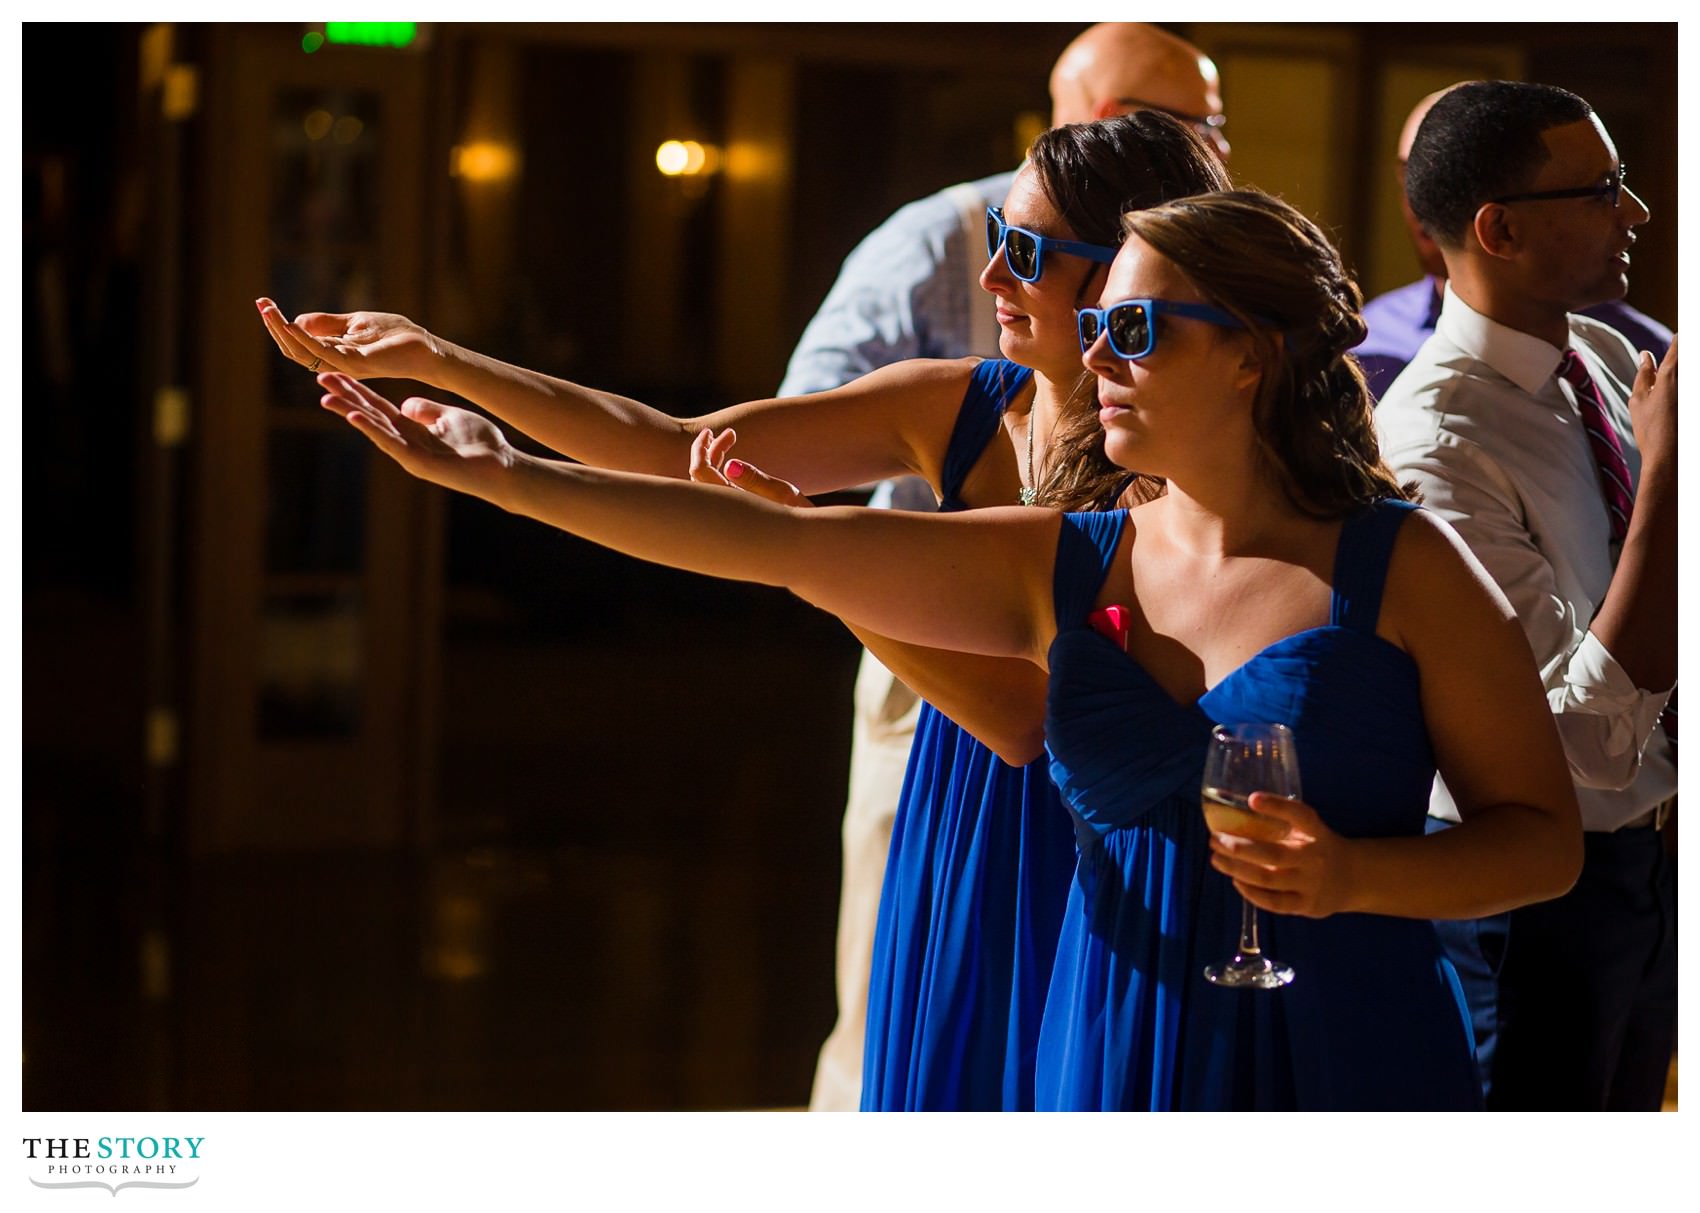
[911, 290]
[1118, 67]
[1402, 319]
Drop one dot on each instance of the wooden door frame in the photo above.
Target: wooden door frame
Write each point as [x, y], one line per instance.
[375, 789]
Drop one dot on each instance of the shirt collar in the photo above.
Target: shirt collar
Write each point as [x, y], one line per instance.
[1431, 315]
[1526, 361]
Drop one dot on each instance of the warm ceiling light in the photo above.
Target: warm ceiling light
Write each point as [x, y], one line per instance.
[484, 161]
[686, 158]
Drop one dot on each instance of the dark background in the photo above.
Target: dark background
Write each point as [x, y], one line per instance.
[545, 828]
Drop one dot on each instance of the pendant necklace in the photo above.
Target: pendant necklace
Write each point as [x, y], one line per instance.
[1030, 490]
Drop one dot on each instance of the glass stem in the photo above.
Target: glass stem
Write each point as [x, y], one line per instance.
[1248, 929]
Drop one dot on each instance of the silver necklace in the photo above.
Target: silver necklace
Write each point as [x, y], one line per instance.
[1030, 490]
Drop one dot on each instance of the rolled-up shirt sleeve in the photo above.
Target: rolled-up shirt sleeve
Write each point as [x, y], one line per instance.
[1604, 720]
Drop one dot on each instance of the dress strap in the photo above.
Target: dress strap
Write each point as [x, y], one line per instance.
[991, 387]
[1085, 546]
[1360, 563]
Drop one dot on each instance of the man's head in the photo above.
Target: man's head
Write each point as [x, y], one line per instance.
[1518, 184]
[1118, 67]
[1428, 252]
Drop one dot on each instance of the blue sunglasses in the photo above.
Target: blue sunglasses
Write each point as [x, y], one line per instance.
[1131, 324]
[1024, 251]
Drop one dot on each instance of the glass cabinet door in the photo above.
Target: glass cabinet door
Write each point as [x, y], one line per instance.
[315, 584]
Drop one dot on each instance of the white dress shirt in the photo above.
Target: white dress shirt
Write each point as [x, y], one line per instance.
[908, 290]
[1492, 437]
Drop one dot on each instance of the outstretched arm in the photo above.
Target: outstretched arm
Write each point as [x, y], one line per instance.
[999, 700]
[977, 582]
[1495, 744]
[895, 421]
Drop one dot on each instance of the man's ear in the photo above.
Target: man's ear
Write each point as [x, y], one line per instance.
[1496, 230]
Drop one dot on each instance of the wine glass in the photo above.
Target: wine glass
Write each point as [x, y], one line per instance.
[1247, 758]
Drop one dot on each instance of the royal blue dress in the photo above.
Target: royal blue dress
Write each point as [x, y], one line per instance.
[1374, 1017]
[981, 858]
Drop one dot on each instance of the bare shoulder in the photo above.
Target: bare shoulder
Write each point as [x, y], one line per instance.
[918, 397]
[946, 378]
[1435, 583]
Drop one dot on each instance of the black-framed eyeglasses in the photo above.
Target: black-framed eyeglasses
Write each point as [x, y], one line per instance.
[1024, 251]
[1208, 125]
[1613, 189]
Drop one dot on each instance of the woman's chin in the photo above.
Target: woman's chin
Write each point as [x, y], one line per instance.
[1122, 448]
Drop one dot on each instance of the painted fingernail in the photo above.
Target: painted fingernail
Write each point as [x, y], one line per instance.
[734, 468]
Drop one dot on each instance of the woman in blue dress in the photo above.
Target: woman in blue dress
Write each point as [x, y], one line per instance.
[982, 853]
[1278, 578]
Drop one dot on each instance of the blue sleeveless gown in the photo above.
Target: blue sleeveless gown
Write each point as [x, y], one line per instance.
[981, 858]
[1374, 1018]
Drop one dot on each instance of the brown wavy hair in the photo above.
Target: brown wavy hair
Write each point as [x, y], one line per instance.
[1094, 173]
[1259, 259]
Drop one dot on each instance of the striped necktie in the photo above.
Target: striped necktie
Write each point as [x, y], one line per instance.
[1613, 473]
[1602, 440]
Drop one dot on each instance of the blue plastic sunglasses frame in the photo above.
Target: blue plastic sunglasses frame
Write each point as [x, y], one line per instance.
[1130, 324]
[1024, 248]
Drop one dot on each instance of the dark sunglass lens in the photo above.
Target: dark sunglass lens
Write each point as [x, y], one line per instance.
[1130, 330]
[993, 231]
[1023, 254]
[1088, 329]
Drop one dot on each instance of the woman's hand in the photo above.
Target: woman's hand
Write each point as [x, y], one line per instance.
[448, 446]
[709, 465]
[1307, 872]
[362, 345]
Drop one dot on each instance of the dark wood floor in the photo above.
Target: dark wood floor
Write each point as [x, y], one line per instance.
[602, 926]
[632, 905]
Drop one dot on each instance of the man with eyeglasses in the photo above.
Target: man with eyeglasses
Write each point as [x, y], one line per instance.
[1550, 445]
[910, 289]
[1401, 319]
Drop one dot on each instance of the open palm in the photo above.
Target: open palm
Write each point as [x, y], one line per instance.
[362, 345]
[453, 447]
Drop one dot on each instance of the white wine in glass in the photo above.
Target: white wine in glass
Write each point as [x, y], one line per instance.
[1247, 758]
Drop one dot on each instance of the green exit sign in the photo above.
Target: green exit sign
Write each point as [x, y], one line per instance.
[362, 33]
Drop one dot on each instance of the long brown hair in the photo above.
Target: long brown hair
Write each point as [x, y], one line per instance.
[1273, 269]
[1094, 173]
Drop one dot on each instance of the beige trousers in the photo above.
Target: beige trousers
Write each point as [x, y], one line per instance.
[879, 754]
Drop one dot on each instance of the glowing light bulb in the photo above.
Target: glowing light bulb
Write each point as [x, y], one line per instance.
[687, 158]
[672, 157]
